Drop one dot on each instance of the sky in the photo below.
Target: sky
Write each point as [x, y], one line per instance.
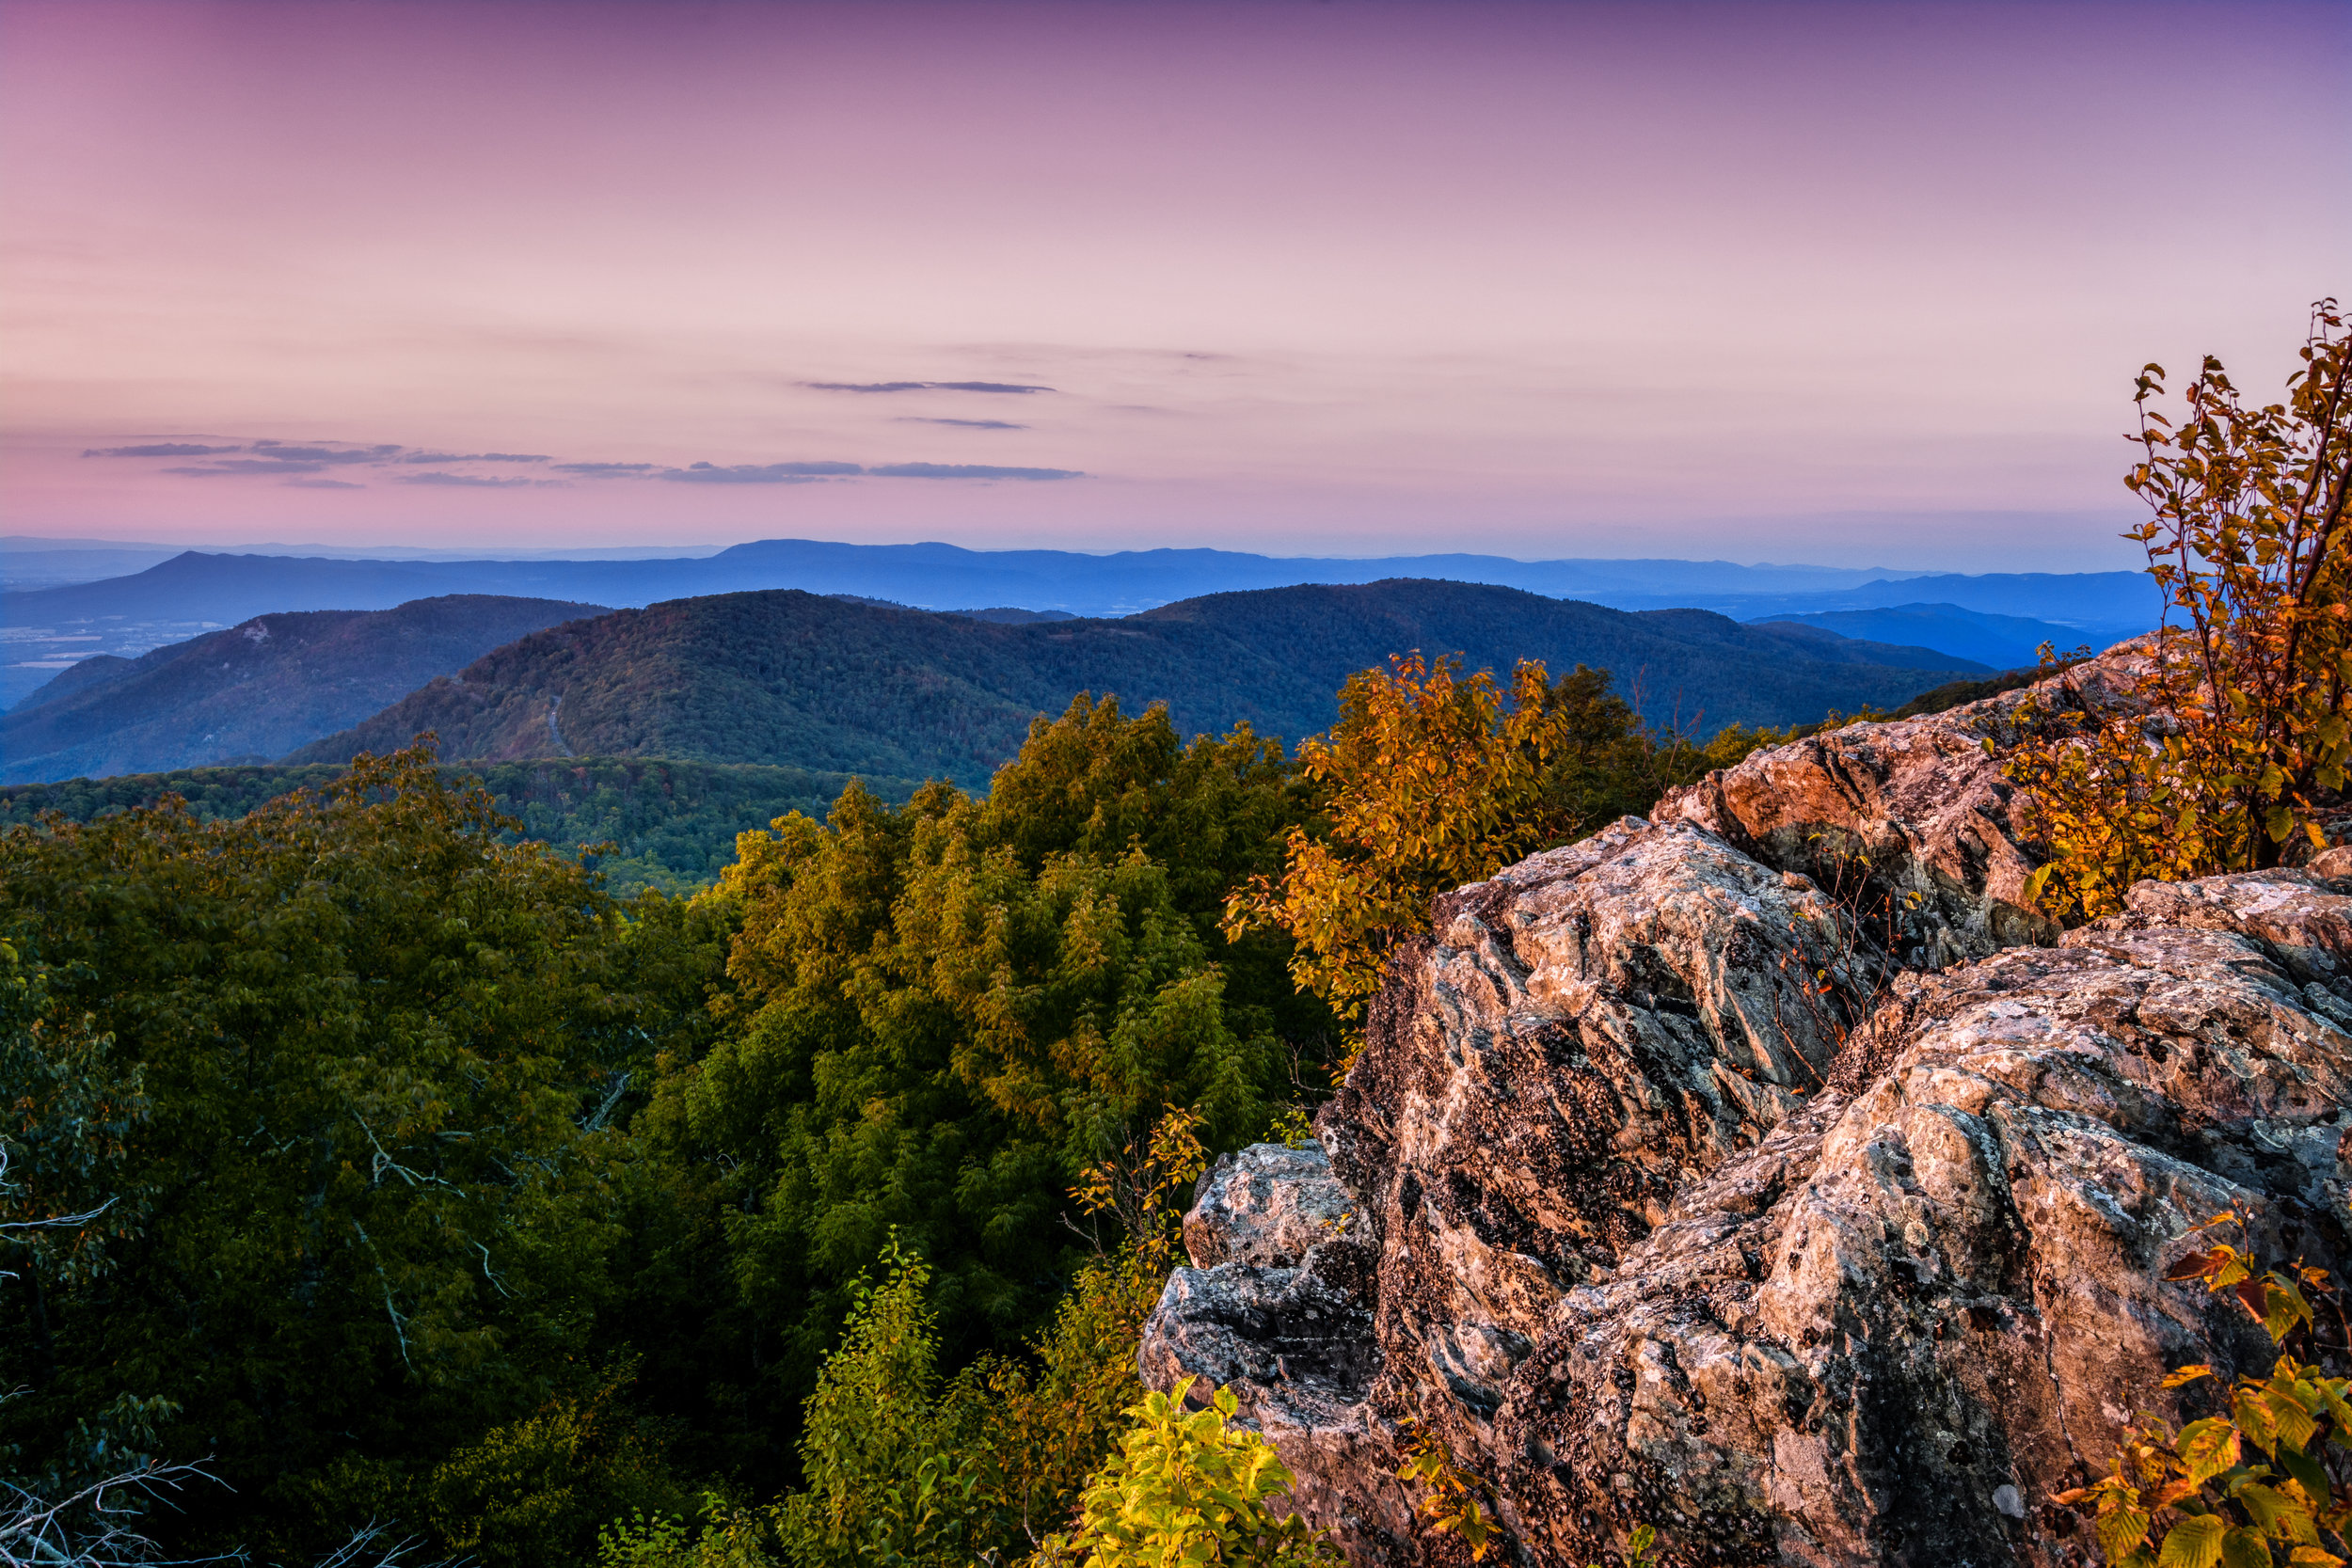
[1856, 284]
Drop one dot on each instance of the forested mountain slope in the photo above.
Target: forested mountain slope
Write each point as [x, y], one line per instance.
[254, 690]
[783, 676]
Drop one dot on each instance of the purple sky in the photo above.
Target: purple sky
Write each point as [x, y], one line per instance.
[1861, 284]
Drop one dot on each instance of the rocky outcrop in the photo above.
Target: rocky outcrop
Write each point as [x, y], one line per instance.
[1910, 816]
[1277, 1308]
[1591, 1031]
[1647, 1229]
[1895, 1328]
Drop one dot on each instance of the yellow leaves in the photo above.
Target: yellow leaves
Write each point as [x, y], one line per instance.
[2283, 1305]
[1145, 1191]
[2228, 1509]
[2277, 1299]
[1430, 779]
[2122, 1528]
[2254, 695]
[2273, 1511]
[2245, 1548]
[2111, 806]
[1471, 1524]
[1638, 1546]
[2269, 1413]
[1189, 1488]
[1452, 1504]
[2206, 1448]
[2194, 1543]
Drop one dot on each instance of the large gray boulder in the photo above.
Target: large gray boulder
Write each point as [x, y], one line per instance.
[1278, 1308]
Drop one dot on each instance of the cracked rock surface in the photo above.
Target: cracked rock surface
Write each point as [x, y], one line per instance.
[1609, 1207]
[1916, 799]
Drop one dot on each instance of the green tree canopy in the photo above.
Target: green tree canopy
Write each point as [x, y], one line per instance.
[944, 1013]
[373, 1169]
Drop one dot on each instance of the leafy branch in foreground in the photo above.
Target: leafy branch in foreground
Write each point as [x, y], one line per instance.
[1144, 1185]
[2114, 803]
[2240, 1488]
[1452, 1504]
[2247, 736]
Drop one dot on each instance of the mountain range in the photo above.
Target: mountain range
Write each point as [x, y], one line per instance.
[194, 592]
[254, 690]
[929, 575]
[693, 720]
[2003, 642]
[784, 676]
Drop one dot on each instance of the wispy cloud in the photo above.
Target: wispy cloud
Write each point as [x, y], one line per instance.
[758, 473]
[232, 465]
[803, 473]
[922, 387]
[967, 424]
[158, 449]
[292, 463]
[337, 453]
[472, 482]
[967, 471]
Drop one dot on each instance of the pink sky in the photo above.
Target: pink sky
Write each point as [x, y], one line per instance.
[1860, 284]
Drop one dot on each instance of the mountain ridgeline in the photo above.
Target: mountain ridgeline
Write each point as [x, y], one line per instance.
[255, 690]
[231, 586]
[783, 676]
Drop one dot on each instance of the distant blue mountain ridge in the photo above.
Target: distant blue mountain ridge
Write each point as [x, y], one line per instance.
[1979, 618]
[2002, 641]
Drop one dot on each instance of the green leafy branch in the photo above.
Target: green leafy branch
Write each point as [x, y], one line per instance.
[2235, 1490]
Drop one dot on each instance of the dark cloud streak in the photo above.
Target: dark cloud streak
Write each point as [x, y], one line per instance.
[967, 424]
[249, 465]
[289, 463]
[802, 473]
[758, 473]
[472, 482]
[966, 470]
[279, 449]
[923, 386]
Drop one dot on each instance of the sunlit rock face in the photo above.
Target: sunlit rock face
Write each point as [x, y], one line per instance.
[1646, 1234]
[1913, 816]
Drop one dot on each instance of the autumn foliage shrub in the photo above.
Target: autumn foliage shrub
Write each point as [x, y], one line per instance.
[1188, 1487]
[1433, 778]
[2242, 752]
